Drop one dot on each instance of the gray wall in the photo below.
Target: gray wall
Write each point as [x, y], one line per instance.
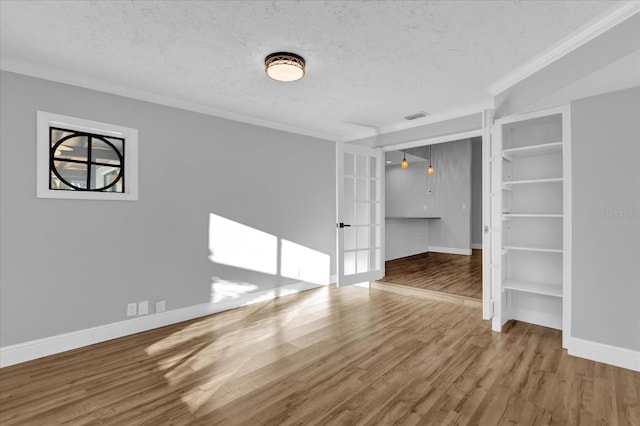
[407, 195]
[451, 197]
[606, 218]
[67, 265]
[476, 191]
[405, 237]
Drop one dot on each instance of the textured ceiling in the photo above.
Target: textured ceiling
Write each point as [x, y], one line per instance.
[368, 63]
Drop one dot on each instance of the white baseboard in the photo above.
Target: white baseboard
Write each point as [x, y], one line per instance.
[536, 317]
[27, 351]
[613, 355]
[450, 250]
[475, 246]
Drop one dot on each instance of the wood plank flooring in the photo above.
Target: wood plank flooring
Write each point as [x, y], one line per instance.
[324, 357]
[447, 273]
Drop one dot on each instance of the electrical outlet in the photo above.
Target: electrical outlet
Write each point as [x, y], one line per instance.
[161, 306]
[132, 309]
[143, 307]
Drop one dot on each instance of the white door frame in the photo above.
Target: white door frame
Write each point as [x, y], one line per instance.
[488, 231]
[485, 133]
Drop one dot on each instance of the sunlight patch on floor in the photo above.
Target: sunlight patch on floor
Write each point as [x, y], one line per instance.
[226, 290]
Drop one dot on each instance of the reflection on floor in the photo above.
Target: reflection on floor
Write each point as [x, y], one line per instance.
[447, 273]
[331, 356]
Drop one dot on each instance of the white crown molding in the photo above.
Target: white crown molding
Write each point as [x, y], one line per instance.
[34, 349]
[24, 68]
[431, 119]
[588, 32]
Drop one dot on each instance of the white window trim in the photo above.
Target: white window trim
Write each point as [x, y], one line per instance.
[47, 119]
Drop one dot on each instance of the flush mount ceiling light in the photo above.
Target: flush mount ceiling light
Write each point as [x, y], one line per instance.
[284, 66]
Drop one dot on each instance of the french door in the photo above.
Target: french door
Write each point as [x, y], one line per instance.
[360, 214]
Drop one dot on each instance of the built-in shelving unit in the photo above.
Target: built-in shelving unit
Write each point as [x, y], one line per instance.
[533, 267]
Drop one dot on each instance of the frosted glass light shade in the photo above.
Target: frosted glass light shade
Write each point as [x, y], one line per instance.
[284, 66]
[404, 164]
[430, 170]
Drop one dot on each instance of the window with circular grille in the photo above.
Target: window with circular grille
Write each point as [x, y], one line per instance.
[81, 161]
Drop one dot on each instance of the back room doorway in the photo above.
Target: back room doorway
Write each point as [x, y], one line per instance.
[433, 237]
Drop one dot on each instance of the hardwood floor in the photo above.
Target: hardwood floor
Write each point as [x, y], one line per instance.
[447, 273]
[324, 357]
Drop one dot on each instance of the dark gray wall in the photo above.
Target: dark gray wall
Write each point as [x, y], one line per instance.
[451, 199]
[476, 191]
[67, 265]
[606, 218]
[407, 195]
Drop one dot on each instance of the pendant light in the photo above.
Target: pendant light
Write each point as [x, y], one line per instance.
[404, 163]
[430, 168]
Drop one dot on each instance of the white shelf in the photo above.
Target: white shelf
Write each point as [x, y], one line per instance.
[531, 150]
[531, 287]
[507, 216]
[411, 217]
[544, 249]
[508, 183]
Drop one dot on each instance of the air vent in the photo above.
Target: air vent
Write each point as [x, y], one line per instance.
[416, 115]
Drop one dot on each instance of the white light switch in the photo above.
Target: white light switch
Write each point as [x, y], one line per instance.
[143, 307]
[161, 306]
